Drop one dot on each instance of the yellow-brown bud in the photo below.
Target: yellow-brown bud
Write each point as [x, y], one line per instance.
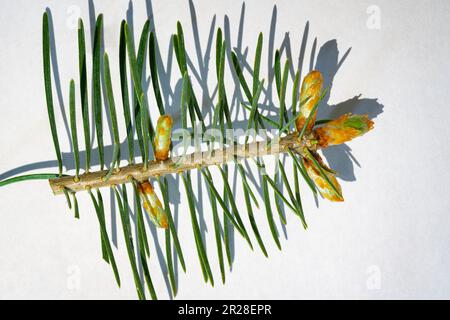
[152, 204]
[322, 184]
[163, 137]
[311, 88]
[343, 129]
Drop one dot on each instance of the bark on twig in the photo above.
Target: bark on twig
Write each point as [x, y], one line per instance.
[196, 160]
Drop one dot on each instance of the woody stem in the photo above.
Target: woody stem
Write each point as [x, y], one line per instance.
[178, 164]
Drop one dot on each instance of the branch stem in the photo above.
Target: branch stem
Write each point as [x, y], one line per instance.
[178, 164]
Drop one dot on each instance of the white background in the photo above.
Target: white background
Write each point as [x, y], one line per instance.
[389, 239]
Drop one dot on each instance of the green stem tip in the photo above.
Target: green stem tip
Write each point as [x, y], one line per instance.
[36, 176]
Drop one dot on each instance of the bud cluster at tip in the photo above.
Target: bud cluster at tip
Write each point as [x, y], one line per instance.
[338, 131]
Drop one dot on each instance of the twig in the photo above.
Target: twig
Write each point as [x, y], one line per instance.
[201, 159]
